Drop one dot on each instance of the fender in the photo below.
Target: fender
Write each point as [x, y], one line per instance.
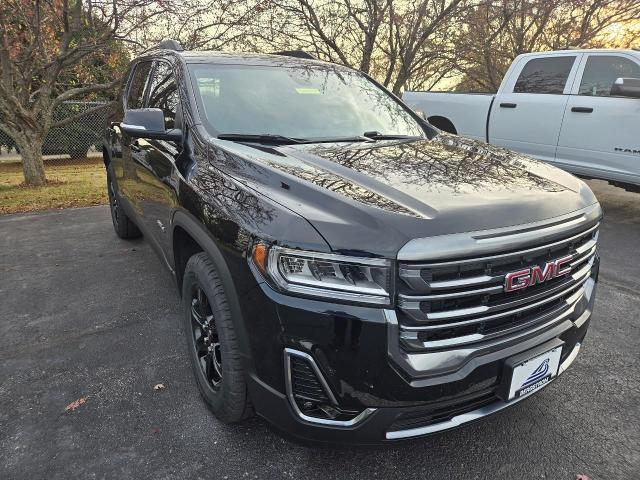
[191, 225]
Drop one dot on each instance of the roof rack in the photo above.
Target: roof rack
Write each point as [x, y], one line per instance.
[170, 44]
[295, 53]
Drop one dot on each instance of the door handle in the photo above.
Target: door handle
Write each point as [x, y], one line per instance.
[582, 109]
[508, 105]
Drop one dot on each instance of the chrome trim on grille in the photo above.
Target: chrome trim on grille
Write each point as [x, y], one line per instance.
[451, 303]
[288, 352]
[411, 304]
[498, 240]
[556, 314]
[478, 413]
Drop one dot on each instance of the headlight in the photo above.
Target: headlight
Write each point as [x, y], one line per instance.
[356, 279]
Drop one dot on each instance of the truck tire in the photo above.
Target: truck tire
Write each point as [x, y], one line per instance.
[122, 224]
[443, 124]
[212, 343]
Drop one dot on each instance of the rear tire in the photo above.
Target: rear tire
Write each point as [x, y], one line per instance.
[443, 124]
[212, 342]
[122, 224]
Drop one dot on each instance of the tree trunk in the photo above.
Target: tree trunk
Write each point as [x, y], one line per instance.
[30, 147]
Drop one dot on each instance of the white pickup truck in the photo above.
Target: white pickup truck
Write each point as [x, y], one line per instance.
[577, 109]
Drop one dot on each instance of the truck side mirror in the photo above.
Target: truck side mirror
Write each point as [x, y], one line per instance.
[148, 123]
[626, 87]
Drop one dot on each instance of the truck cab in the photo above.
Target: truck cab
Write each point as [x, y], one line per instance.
[577, 109]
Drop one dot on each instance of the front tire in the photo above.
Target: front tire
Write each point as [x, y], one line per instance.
[122, 224]
[212, 343]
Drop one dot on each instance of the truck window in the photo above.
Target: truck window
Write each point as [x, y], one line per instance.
[135, 97]
[544, 75]
[163, 93]
[602, 71]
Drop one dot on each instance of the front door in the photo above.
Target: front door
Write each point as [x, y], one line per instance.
[527, 115]
[601, 134]
[156, 189]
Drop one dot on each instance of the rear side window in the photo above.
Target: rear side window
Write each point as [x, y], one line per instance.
[602, 71]
[544, 75]
[163, 93]
[135, 96]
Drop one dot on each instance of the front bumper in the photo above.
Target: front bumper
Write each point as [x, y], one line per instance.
[355, 352]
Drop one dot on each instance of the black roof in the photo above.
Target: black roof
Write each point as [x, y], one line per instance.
[288, 57]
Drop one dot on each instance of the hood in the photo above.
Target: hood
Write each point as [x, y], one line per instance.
[372, 198]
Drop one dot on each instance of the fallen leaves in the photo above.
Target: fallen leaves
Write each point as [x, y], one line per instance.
[582, 477]
[75, 404]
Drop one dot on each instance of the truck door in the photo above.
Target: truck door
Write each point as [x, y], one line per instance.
[600, 134]
[526, 115]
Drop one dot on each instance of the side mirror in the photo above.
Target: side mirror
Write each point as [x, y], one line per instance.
[626, 87]
[148, 123]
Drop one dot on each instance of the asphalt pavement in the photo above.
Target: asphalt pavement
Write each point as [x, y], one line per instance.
[91, 319]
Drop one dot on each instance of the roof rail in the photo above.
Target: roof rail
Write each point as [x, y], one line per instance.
[295, 53]
[169, 44]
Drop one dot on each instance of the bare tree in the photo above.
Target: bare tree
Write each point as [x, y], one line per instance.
[196, 24]
[42, 45]
[494, 32]
[396, 42]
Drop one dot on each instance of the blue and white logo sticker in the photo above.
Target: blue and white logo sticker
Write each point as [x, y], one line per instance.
[537, 374]
[534, 373]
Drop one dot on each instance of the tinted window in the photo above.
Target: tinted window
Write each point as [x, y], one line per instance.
[135, 98]
[544, 75]
[307, 101]
[601, 71]
[163, 93]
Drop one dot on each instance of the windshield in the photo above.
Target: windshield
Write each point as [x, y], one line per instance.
[303, 102]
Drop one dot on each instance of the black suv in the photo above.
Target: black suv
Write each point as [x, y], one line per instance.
[347, 271]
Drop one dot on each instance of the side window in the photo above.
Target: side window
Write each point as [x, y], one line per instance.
[602, 70]
[135, 95]
[544, 75]
[163, 93]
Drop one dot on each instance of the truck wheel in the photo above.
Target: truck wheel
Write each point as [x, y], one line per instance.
[122, 224]
[443, 124]
[212, 343]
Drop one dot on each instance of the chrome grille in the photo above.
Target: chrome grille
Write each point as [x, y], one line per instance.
[445, 304]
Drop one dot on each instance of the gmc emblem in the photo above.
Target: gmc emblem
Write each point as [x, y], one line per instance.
[537, 274]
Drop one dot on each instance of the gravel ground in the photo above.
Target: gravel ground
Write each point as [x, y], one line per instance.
[85, 316]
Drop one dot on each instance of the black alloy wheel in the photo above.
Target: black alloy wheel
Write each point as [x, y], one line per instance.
[206, 341]
[212, 342]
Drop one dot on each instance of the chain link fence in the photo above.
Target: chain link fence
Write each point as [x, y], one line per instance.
[76, 140]
[72, 163]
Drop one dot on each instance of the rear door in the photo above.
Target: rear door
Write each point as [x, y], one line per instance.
[601, 134]
[526, 115]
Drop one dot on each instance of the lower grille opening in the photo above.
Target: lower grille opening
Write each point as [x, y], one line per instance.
[429, 416]
[310, 393]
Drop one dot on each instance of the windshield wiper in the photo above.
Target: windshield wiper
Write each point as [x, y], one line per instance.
[357, 138]
[373, 135]
[283, 140]
[263, 137]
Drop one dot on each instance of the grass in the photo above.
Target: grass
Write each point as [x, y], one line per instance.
[70, 183]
